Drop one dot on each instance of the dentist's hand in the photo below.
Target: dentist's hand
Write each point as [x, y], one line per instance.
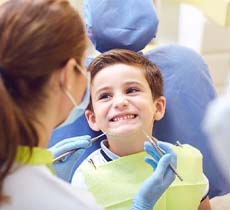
[154, 186]
[64, 166]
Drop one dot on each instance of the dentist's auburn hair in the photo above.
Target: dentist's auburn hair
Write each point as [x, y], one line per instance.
[37, 38]
[121, 56]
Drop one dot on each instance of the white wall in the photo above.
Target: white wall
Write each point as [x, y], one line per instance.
[188, 26]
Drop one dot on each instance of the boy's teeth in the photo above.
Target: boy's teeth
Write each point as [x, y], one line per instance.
[130, 116]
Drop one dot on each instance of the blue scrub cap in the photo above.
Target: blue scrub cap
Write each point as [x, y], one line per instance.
[129, 24]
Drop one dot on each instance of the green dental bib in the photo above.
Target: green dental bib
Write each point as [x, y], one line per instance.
[115, 183]
[39, 156]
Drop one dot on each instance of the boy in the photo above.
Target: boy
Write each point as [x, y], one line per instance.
[126, 99]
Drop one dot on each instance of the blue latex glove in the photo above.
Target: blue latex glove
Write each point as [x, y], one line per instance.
[64, 166]
[154, 186]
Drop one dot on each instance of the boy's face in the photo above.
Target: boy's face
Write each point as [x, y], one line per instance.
[122, 101]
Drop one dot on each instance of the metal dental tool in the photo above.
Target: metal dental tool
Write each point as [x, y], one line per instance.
[73, 150]
[161, 153]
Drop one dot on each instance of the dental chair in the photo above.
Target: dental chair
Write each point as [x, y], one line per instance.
[188, 87]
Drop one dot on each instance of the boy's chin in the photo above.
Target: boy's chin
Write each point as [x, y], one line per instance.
[125, 130]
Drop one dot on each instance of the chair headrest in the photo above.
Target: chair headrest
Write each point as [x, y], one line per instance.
[128, 24]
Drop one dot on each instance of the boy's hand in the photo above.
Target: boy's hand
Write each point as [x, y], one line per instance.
[64, 166]
[154, 186]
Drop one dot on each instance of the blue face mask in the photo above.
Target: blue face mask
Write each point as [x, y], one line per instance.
[78, 110]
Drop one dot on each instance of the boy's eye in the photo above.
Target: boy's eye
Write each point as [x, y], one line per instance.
[104, 96]
[132, 90]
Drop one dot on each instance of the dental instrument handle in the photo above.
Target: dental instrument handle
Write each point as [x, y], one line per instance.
[73, 150]
[153, 141]
[97, 137]
[64, 155]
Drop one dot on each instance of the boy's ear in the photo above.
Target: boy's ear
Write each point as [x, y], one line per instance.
[160, 104]
[91, 120]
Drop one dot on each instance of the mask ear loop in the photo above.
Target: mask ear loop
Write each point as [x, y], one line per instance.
[69, 95]
[87, 76]
[81, 69]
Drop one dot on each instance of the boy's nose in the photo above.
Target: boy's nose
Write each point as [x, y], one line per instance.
[120, 101]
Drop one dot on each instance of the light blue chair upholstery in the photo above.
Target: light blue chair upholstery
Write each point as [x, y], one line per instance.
[188, 88]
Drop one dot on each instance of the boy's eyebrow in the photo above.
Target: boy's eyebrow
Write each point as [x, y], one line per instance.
[102, 89]
[133, 82]
[125, 83]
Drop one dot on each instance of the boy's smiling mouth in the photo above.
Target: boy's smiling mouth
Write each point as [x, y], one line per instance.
[123, 117]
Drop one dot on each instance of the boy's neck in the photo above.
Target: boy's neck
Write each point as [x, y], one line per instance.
[126, 145]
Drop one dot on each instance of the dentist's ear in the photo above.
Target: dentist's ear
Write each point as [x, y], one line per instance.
[160, 104]
[67, 73]
[91, 120]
